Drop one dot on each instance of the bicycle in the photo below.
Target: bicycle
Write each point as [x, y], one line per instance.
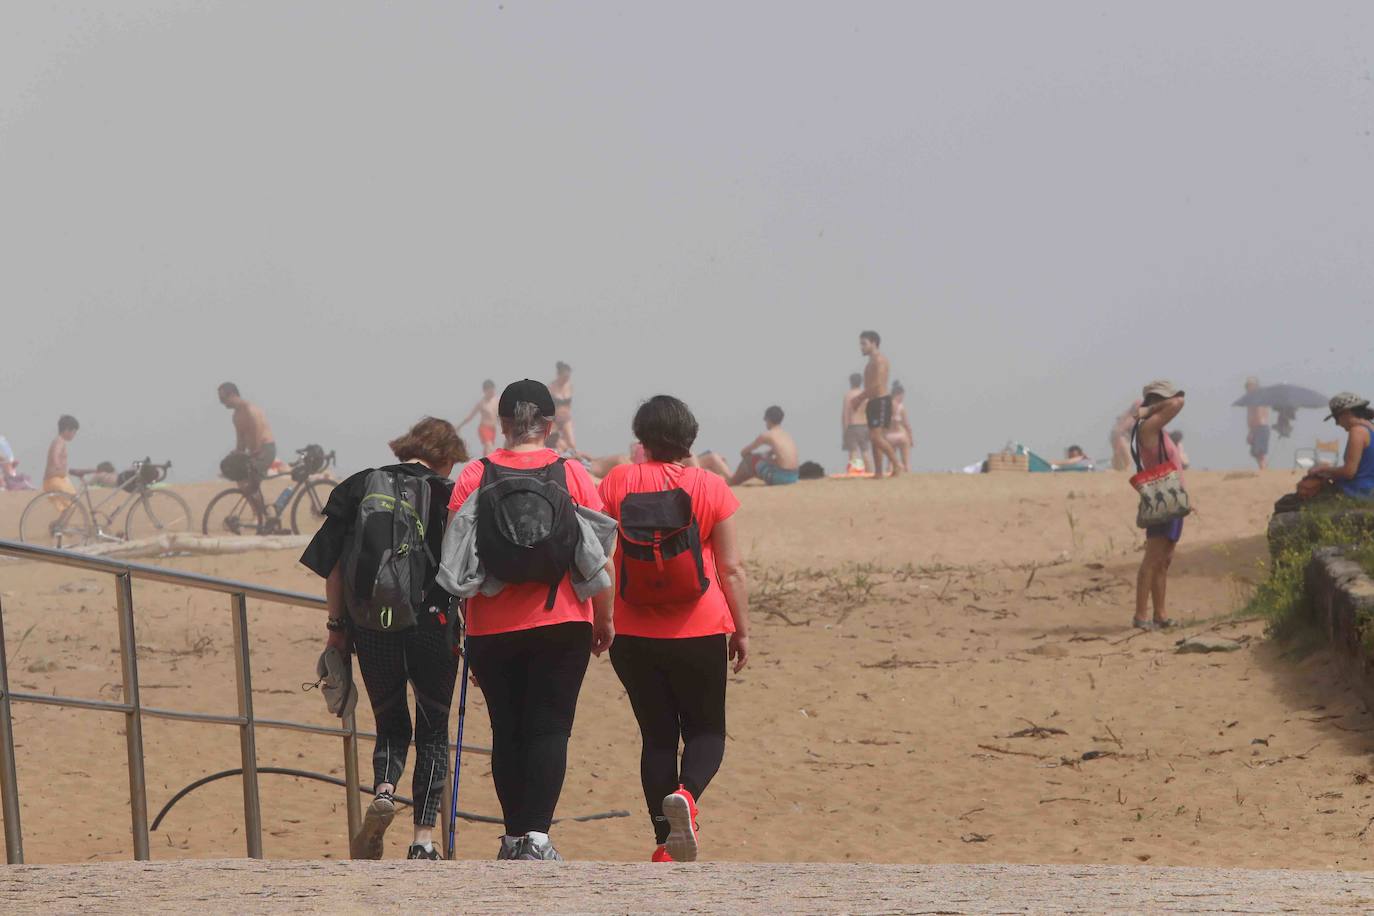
[230, 512]
[63, 520]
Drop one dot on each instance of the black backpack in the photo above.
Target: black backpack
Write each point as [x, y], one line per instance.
[527, 529]
[660, 549]
[388, 565]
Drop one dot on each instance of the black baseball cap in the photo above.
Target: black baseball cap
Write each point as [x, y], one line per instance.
[529, 391]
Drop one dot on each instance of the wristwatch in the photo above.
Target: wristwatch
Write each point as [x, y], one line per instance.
[336, 624]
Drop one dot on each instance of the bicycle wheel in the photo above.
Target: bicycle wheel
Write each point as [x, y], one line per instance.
[307, 511]
[55, 520]
[230, 513]
[157, 512]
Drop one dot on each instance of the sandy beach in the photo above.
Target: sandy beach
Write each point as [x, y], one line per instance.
[912, 639]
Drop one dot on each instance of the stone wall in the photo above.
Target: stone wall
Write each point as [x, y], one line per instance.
[1340, 599]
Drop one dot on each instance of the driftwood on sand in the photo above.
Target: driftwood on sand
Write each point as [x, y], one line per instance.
[186, 543]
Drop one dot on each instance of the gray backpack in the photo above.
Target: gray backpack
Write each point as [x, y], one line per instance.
[387, 564]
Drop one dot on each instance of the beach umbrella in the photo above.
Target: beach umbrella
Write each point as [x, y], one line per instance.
[1281, 397]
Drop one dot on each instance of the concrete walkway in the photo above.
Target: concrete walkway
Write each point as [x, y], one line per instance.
[241, 886]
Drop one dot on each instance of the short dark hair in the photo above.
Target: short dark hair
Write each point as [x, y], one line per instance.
[66, 422]
[488, 384]
[897, 388]
[105, 467]
[1364, 413]
[431, 440]
[873, 336]
[562, 366]
[666, 428]
[228, 389]
[1176, 435]
[773, 415]
[855, 380]
[1075, 450]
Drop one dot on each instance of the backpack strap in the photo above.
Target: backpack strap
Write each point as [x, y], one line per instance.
[557, 473]
[1135, 446]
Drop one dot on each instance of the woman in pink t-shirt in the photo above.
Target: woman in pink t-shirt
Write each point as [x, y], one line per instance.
[672, 656]
[529, 646]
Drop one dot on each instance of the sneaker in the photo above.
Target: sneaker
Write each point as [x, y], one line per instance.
[680, 808]
[369, 842]
[417, 851]
[661, 854]
[510, 845]
[532, 850]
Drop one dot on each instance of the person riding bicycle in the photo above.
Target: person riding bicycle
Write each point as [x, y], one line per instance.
[253, 440]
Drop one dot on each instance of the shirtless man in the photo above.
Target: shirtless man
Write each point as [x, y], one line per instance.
[252, 437]
[56, 475]
[562, 390]
[486, 409]
[1257, 419]
[854, 426]
[778, 465]
[878, 403]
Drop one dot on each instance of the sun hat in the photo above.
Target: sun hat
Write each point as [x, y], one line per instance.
[527, 391]
[1346, 400]
[1162, 387]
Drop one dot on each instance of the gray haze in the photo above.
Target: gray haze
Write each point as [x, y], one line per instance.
[359, 211]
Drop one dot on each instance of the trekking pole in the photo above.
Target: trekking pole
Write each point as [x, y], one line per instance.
[458, 755]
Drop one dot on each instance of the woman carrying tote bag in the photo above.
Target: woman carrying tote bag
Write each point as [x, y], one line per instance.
[1163, 503]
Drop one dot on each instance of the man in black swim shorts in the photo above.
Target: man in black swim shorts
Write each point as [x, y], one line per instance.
[878, 406]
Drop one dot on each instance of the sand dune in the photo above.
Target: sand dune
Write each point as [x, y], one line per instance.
[905, 632]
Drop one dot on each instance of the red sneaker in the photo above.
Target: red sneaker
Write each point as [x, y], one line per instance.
[661, 854]
[680, 808]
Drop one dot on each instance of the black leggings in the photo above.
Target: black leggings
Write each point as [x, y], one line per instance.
[530, 679]
[387, 660]
[677, 690]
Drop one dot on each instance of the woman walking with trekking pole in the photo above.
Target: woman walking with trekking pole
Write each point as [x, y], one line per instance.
[540, 605]
[682, 613]
[377, 551]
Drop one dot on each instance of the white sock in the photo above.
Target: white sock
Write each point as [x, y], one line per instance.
[540, 838]
[427, 847]
[513, 839]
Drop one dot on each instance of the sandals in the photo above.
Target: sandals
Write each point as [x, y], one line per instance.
[1167, 624]
[1142, 624]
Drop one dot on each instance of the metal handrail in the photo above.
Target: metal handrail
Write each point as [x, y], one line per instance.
[134, 711]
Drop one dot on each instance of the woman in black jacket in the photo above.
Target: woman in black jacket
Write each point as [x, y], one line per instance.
[420, 653]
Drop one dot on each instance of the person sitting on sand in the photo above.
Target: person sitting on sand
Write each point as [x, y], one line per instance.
[1177, 436]
[57, 475]
[1074, 458]
[485, 408]
[671, 655]
[104, 475]
[1162, 402]
[854, 427]
[900, 433]
[1354, 477]
[778, 465]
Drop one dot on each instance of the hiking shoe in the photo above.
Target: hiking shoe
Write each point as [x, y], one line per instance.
[530, 850]
[370, 841]
[661, 854]
[510, 845]
[680, 808]
[417, 851]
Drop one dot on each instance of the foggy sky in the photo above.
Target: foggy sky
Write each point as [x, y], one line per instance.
[359, 211]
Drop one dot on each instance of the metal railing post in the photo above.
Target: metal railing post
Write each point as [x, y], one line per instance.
[355, 804]
[248, 742]
[9, 779]
[133, 719]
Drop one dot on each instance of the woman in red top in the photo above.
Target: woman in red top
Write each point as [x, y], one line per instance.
[530, 658]
[672, 658]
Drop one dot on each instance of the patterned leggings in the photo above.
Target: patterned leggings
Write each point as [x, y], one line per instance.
[421, 656]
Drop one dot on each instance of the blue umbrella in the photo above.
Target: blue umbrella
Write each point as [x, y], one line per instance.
[1282, 397]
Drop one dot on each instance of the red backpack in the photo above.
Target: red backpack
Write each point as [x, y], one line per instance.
[660, 549]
